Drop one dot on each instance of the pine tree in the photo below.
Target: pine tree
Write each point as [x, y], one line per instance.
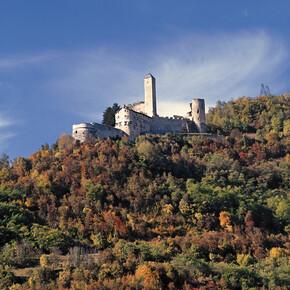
[109, 115]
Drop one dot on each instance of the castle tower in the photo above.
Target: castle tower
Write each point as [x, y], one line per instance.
[150, 96]
[198, 114]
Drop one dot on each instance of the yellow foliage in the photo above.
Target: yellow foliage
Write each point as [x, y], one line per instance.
[57, 154]
[143, 272]
[44, 261]
[4, 174]
[150, 277]
[184, 207]
[131, 221]
[288, 159]
[44, 153]
[198, 216]
[224, 219]
[29, 202]
[168, 208]
[34, 174]
[244, 259]
[277, 252]
[43, 181]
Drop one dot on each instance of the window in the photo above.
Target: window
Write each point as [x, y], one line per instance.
[198, 111]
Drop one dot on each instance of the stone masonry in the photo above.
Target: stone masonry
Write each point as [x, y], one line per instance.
[141, 118]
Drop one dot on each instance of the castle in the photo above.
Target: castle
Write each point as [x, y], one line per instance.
[141, 118]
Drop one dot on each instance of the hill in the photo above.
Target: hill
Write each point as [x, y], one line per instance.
[166, 212]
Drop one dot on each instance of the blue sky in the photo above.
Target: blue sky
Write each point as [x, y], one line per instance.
[63, 62]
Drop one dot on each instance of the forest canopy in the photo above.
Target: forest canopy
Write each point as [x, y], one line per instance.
[168, 211]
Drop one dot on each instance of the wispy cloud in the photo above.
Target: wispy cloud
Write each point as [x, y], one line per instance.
[4, 122]
[215, 67]
[5, 133]
[220, 66]
[56, 89]
[17, 61]
[223, 66]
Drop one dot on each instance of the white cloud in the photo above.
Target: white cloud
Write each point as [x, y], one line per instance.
[5, 134]
[4, 122]
[214, 67]
[17, 61]
[220, 66]
[224, 66]
[4, 137]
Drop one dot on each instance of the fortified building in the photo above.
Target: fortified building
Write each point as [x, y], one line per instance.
[141, 118]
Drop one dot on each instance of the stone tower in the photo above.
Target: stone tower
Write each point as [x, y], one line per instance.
[150, 96]
[198, 114]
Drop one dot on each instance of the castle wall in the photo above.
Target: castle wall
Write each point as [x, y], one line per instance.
[132, 123]
[198, 114]
[161, 125]
[141, 118]
[85, 131]
[104, 131]
[138, 107]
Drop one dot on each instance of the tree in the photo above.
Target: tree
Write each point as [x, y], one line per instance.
[65, 141]
[109, 115]
[4, 161]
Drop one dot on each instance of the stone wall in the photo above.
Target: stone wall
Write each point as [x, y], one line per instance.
[150, 96]
[141, 118]
[198, 114]
[161, 125]
[132, 123]
[138, 107]
[85, 131]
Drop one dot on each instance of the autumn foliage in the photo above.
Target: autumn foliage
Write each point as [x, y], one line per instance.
[176, 212]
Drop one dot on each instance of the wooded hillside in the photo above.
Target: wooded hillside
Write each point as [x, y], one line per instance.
[169, 211]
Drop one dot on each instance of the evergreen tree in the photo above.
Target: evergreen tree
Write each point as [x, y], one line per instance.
[109, 115]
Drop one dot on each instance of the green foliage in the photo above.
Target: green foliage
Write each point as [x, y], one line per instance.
[19, 254]
[275, 272]
[167, 211]
[8, 195]
[12, 214]
[45, 238]
[263, 115]
[7, 278]
[4, 161]
[189, 267]
[240, 277]
[94, 192]
[109, 115]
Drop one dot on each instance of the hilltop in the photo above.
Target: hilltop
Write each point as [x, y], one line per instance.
[164, 212]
